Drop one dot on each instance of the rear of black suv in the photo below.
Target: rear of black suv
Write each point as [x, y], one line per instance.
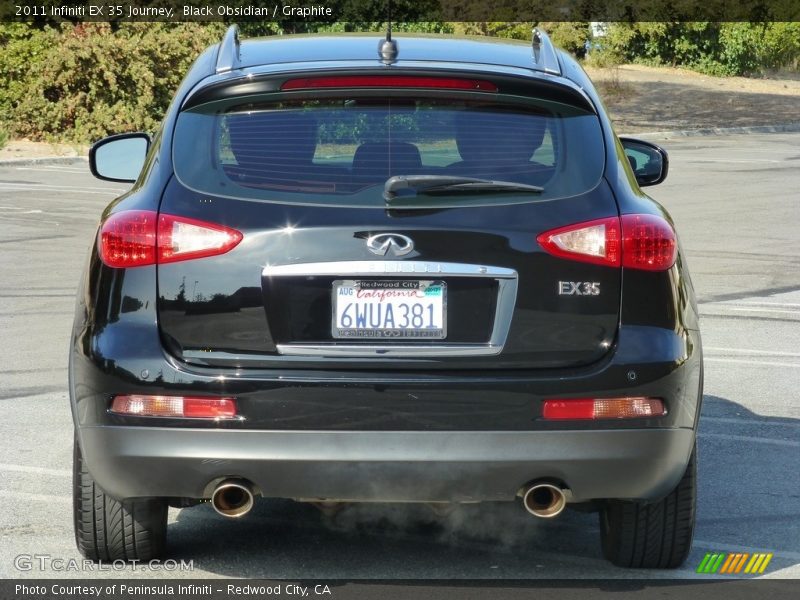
[342, 278]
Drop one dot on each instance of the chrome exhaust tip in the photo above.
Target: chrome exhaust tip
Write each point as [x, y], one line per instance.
[544, 500]
[233, 498]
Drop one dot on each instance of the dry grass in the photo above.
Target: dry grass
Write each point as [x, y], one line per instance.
[610, 85]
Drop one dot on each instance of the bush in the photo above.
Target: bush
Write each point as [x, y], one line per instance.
[21, 46]
[781, 46]
[82, 82]
[714, 48]
[3, 138]
[571, 36]
[99, 81]
[77, 83]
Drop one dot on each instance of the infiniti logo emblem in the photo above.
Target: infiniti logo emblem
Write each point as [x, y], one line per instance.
[383, 243]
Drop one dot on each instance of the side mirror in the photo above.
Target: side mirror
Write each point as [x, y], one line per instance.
[650, 163]
[119, 157]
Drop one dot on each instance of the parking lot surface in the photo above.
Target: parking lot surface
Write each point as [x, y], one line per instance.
[736, 206]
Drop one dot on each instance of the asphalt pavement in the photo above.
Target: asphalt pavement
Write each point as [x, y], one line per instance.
[736, 204]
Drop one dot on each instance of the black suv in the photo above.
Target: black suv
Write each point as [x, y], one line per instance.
[356, 269]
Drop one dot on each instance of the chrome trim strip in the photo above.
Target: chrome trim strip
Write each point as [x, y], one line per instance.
[387, 267]
[506, 300]
[381, 351]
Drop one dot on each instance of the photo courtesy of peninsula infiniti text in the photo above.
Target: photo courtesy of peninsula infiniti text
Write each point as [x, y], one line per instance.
[356, 269]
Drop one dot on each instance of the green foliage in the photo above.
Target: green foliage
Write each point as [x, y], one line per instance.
[259, 29]
[21, 46]
[781, 45]
[380, 26]
[3, 138]
[569, 35]
[78, 82]
[97, 81]
[715, 48]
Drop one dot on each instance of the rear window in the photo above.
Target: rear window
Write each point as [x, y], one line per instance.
[341, 151]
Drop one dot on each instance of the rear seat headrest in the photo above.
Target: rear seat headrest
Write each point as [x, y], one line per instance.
[384, 159]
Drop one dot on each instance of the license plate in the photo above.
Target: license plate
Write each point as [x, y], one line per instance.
[407, 309]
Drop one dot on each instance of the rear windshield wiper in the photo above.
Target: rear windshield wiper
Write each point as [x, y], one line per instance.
[432, 184]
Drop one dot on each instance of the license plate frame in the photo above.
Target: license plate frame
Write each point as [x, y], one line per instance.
[402, 334]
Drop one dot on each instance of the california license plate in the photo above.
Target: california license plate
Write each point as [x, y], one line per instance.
[403, 309]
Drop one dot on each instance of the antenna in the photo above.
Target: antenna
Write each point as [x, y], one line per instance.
[387, 48]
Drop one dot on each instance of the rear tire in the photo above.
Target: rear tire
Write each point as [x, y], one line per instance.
[107, 529]
[655, 535]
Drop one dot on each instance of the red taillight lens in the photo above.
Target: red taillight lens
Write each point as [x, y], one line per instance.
[648, 242]
[136, 238]
[603, 408]
[128, 239]
[387, 81]
[187, 407]
[645, 242]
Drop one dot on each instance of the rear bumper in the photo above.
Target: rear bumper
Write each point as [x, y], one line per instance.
[388, 435]
[386, 466]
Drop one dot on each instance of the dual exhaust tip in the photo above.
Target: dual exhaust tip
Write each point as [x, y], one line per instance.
[544, 500]
[233, 498]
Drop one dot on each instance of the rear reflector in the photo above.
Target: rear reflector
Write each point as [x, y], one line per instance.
[187, 407]
[137, 238]
[602, 408]
[645, 242]
[387, 81]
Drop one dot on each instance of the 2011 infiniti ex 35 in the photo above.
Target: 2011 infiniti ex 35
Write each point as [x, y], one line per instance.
[422, 273]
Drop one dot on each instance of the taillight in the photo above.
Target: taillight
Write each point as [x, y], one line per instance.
[579, 409]
[136, 238]
[645, 242]
[595, 242]
[648, 242]
[128, 239]
[180, 238]
[187, 407]
[387, 81]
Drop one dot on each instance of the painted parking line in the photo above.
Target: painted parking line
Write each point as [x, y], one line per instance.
[727, 308]
[745, 361]
[8, 185]
[729, 160]
[77, 191]
[25, 496]
[767, 304]
[759, 309]
[749, 438]
[55, 169]
[713, 349]
[750, 422]
[6, 467]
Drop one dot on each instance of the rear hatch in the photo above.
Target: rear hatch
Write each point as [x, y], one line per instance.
[438, 268]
